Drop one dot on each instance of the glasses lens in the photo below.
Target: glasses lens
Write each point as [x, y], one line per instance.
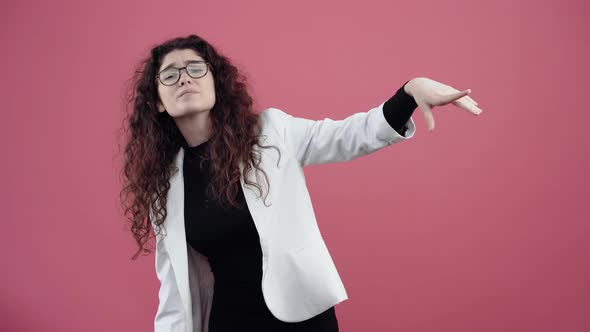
[169, 76]
[196, 69]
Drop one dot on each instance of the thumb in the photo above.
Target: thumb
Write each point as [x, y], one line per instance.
[427, 111]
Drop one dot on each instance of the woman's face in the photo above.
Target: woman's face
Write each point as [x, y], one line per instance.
[173, 99]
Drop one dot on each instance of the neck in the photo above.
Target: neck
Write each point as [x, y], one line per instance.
[196, 127]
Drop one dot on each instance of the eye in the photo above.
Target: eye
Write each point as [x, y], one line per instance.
[196, 71]
[197, 68]
[169, 75]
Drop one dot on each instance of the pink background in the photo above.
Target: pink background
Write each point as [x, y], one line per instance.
[481, 225]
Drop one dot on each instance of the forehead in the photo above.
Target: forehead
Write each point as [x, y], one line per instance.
[179, 57]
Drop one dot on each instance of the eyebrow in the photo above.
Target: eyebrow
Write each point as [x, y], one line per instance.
[174, 64]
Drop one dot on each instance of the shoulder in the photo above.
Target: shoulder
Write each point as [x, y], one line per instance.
[272, 115]
[273, 119]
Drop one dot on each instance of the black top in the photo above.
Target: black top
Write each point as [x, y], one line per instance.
[228, 238]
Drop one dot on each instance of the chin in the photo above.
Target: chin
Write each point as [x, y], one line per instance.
[195, 110]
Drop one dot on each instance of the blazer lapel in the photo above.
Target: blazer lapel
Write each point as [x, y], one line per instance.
[261, 213]
[175, 239]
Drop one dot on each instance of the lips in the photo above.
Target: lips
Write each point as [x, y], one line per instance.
[185, 92]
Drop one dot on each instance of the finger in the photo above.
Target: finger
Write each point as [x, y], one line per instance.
[468, 106]
[471, 99]
[427, 115]
[454, 96]
[464, 103]
[463, 100]
[429, 120]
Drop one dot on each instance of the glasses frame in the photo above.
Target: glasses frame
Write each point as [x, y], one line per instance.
[185, 69]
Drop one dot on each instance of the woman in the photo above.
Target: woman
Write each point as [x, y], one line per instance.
[237, 243]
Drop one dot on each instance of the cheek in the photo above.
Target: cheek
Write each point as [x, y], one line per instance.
[164, 95]
[211, 88]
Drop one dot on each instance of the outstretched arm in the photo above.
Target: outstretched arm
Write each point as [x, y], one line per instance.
[327, 140]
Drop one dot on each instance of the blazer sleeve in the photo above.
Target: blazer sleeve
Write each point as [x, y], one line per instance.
[327, 140]
[170, 314]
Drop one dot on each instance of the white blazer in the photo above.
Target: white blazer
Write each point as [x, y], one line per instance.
[299, 279]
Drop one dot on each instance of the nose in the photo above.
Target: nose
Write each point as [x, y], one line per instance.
[184, 74]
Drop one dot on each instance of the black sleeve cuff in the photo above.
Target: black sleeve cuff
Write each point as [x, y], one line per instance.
[398, 110]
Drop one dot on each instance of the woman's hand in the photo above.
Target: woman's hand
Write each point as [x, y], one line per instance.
[429, 93]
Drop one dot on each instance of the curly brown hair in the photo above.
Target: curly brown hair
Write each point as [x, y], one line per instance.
[153, 139]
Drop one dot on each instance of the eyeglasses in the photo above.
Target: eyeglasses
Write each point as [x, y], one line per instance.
[195, 69]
